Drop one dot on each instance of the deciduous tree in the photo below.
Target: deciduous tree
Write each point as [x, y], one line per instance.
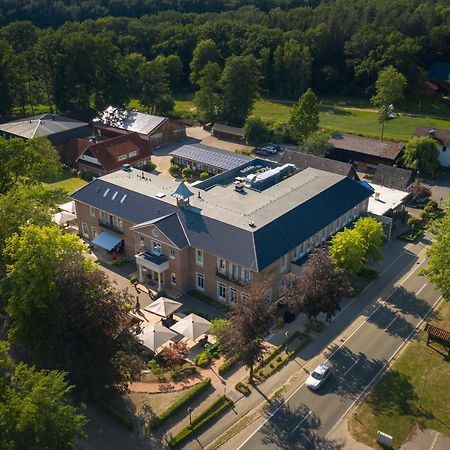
[175, 353]
[421, 154]
[250, 320]
[219, 327]
[389, 88]
[205, 52]
[419, 191]
[34, 409]
[372, 233]
[304, 118]
[240, 86]
[256, 131]
[348, 251]
[154, 82]
[317, 144]
[207, 98]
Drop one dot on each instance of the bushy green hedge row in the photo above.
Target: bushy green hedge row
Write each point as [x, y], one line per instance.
[410, 236]
[118, 416]
[274, 353]
[204, 358]
[243, 388]
[204, 417]
[226, 366]
[158, 420]
[282, 361]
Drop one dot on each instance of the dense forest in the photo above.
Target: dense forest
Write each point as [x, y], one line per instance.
[73, 55]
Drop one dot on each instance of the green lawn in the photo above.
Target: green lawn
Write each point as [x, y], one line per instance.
[395, 405]
[353, 121]
[65, 181]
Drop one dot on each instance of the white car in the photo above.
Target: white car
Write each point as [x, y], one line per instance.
[318, 376]
[270, 149]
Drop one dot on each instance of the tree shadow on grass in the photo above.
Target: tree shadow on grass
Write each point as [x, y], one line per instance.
[295, 429]
[394, 394]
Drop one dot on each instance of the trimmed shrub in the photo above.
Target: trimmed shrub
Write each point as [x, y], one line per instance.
[203, 360]
[149, 167]
[204, 417]
[226, 366]
[158, 420]
[186, 172]
[174, 170]
[133, 279]
[317, 326]
[204, 176]
[243, 388]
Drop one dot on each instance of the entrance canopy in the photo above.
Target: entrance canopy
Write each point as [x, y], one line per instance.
[107, 240]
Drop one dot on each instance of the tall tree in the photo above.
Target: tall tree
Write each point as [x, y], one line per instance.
[304, 118]
[6, 79]
[207, 98]
[205, 52]
[319, 288]
[348, 251]
[33, 160]
[256, 131]
[389, 89]
[130, 68]
[318, 144]
[240, 85]
[438, 270]
[250, 320]
[155, 83]
[421, 154]
[372, 233]
[174, 67]
[34, 409]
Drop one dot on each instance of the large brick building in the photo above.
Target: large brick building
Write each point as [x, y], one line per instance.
[156, 130]
[248, 225]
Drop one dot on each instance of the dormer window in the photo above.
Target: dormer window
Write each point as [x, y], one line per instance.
[122, 157]
[132, 154]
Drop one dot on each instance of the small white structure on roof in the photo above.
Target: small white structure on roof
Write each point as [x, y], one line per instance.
[192, 326]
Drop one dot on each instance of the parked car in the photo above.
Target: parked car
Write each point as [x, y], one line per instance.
[270, 149]
[262, 152]
[318, 376]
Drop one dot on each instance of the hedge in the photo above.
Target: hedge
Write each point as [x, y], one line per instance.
[242, 388]
[272, 355]
[226, 366]
[118, 416]
[158, 420]
[204, 417]
[410, 236]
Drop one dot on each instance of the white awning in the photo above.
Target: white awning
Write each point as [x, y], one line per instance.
[107, 240]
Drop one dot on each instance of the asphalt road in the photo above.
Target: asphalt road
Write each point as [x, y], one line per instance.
[305, 419]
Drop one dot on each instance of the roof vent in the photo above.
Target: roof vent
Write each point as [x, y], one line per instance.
[160, 195]
[106, 192]
[126, 167]
[114, 195]
[123, 198]
[252, 224]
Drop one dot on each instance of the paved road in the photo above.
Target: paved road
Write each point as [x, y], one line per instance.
[305, 419]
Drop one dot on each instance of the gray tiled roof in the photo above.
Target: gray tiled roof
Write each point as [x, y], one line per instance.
[443, 136]
[41, 126]
[222, 159]
[227, 129]
[393, 177]
[251, 248]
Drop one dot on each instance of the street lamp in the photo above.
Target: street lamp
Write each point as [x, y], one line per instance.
[287, 337]
[190, 416]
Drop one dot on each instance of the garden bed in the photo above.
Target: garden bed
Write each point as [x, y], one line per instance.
[160, 373]
[202, 419]
[410, 235]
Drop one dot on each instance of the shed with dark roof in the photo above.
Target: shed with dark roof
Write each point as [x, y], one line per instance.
[393, 177]
[227, 133]
[304, 160]
[365, 152]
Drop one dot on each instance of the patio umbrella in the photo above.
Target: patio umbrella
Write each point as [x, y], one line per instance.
[192, 326]
[63, 217]
[154, 335]
[68, 207]
[163, 307]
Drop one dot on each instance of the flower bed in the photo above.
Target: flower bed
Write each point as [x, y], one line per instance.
[203, 418]
[158, 420]
[410, 236]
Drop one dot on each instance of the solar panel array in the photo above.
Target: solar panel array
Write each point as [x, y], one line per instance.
[222, 160]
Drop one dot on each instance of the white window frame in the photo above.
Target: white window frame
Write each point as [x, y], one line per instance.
[92, 211]
[232, 294]
[94, 232]
[85, 230]
[199, 286]
[221, 287]
[156, 246]
[222, 265]
[234, 271]
[122, 158]
[246, 275]
[173, 279]
[172, 253]
[199, 257]
[133, 153]
[142, 241]
[244, 296]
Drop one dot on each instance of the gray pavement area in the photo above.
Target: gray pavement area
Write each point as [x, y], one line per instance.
[424, 439]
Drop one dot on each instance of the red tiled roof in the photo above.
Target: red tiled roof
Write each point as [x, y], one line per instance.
[72, 149]
[107, 152]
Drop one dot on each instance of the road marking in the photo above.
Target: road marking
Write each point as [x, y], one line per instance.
[434, 440]
[390, 323]
[304, 418]
[343, 343]
[385, 364]
[421, 289]
[351, 367]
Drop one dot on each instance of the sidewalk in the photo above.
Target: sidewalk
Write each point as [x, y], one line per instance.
[398, 260]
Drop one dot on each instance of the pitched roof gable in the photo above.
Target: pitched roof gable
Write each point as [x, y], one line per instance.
[442, 136]
[393, 177]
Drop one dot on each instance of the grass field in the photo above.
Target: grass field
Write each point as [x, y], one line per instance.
[396, 403]
[65, 181]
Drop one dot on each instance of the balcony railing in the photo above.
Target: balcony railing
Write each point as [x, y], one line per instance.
[110, 226]
[229, 277]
